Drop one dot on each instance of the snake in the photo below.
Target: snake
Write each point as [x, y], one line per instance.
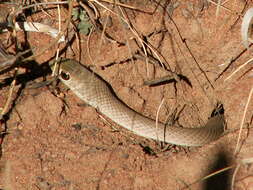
[96, 92]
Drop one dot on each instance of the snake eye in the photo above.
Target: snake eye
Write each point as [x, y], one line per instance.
[64, 75]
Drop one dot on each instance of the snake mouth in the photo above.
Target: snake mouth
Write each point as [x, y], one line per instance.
[53, 64]
[57, 68]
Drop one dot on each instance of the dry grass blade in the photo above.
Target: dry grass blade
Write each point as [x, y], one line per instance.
[234, 175]
[237, 166]
[118, 4]
[128, 22]
[60, 34]
[59, 28]
[157, 118]
[242, 121]
[44, 3]
[218, 8]
[143, 43]
[239, 68]
[208, 176]
[88, 48]
[241, 162]
[222, 6]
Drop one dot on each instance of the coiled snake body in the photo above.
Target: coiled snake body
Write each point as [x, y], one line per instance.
[92, 89]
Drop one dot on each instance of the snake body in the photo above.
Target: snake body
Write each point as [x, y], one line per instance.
[96, 92]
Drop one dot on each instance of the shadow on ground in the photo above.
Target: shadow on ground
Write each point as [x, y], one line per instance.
[219, 181]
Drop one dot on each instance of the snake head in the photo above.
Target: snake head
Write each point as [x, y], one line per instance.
[64, 68]
[71, 72]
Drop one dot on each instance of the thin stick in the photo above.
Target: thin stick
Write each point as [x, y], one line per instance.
[8, 102]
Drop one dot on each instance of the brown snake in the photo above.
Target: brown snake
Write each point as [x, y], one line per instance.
[96, 92]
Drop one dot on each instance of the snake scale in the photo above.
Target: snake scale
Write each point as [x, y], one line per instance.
[96, 92]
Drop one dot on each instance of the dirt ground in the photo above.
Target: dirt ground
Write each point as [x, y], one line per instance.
[56, 142]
